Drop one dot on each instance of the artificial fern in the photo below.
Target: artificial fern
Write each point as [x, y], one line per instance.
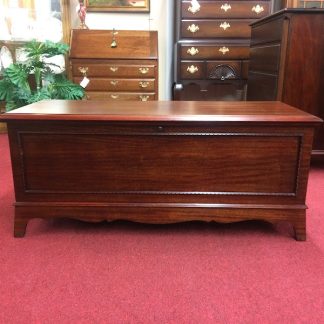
[63, 88]
[34, 80]
[17, 74]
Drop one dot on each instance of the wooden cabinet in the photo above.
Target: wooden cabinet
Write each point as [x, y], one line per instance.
[120, 65]
[286, 62]
[212, 41]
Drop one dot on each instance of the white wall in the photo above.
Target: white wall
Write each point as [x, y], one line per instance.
[160, 18]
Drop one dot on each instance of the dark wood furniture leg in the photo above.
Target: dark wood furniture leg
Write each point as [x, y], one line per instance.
[20, 223]
[300, 227]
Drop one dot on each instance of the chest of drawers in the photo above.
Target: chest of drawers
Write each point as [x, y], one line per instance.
[212, 41]
[286, 63]
[120, 65]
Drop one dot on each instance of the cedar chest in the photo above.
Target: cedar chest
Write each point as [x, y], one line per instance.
[160, 161]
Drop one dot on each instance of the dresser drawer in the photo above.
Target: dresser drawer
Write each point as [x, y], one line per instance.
[266, 33]
[227, 90]
[220, 70]
[113, 96]
[265, 58]
[223, 51]
[226, 9]
[223, 70]
[113, 70]
[104, 84]
[245, 69]
[262, 86]
[226, 28]
[192, 70]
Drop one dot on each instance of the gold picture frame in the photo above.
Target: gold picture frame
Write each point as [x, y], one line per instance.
[118, 5]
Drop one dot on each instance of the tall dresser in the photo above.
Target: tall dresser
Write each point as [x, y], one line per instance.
[115, 65]
[212, 41]
[287, 62]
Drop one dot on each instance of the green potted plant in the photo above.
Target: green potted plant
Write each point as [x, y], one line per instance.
[33, 80]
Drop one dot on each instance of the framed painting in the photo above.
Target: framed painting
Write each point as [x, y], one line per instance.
[119, 5]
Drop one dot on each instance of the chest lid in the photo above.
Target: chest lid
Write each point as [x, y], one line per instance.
[119, 44]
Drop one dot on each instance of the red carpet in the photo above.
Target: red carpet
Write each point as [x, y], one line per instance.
[72, 272]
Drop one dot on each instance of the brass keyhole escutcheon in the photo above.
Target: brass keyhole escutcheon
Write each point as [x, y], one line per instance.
[113, 43]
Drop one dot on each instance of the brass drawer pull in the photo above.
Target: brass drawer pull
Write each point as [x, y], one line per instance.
[193, 51]
[226, 7]
[144, 98]
[225, 25]
[192, 69]
[114, 96]
[114, 82]
[114, 68]
[194, 7]
[83, 70]
[144, 84]
[224, 50]
[193, 28]
[257, 9]
[143, 70]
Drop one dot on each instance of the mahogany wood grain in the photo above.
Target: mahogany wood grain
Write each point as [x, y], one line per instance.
[239, 28]
[107, 68]
[235, 112]
[264, 86]
[90, 43]
[214, 51]
[119, 84]
[265, 58]
[211, 90]
[235, 9]
[160, 162]
[262, 34]
[117, 96]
